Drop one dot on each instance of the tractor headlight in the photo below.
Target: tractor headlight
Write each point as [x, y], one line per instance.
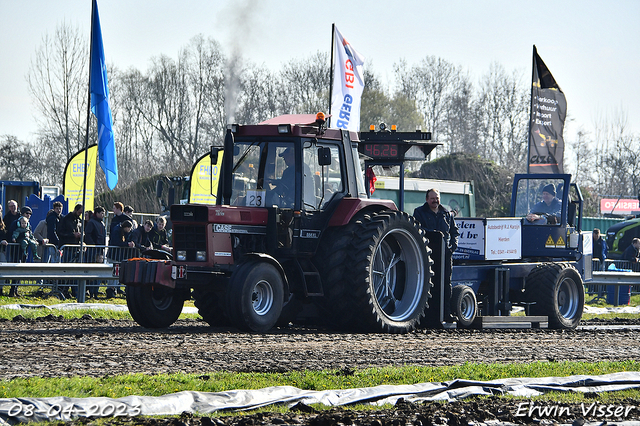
[201, 256]
[181, 255]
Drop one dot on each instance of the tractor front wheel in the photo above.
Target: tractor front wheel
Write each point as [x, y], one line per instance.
[255, 296]
[154, 306]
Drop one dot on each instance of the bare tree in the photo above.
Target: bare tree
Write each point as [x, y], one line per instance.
[58, 81]
[461, 127]
[184, 101]
[17, 160]
[431, 85]
[304, 85]
[619, 158]
[502, 117]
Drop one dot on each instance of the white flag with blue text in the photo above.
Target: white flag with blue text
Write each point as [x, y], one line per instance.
[348, 83]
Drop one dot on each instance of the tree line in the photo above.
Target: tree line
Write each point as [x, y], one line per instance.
[171, 113]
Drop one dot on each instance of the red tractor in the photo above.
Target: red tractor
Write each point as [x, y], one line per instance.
[292, 234]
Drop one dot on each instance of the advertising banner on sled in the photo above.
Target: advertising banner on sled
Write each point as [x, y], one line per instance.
[204, 180]
[546, 121]
[74, 178]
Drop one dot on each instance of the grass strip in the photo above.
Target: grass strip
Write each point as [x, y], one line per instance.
[156, 385]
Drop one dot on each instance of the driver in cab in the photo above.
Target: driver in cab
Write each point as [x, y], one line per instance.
[548, 210]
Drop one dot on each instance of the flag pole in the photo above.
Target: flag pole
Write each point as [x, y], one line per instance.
[331, 70]
[533, 65]
[86, 139]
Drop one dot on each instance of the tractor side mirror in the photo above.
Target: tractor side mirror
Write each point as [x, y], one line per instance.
[159, 188]
[324, 156]
[215, 150]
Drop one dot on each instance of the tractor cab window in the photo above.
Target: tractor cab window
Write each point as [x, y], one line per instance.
[539, 201]
[322, 174]
[263, 174]
[280, 175]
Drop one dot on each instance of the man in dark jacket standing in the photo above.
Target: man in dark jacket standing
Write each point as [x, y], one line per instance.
[600, 248]
[95, 232]
[70, 228]
[53, 222]
[434, 217]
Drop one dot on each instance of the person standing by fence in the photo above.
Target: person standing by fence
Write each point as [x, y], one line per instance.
[600, 249]
[53, 223]
[69, 231]
[632, 254]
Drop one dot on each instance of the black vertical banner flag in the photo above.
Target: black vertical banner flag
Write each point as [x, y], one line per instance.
[546, 123]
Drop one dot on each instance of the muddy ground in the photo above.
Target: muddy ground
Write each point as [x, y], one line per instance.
[53, 347]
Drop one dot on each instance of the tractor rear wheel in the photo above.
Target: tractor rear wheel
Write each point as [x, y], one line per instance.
[154, 306]
[558, 292]
[210, 307]
[377, 274]
[464, 305]
[255, 296]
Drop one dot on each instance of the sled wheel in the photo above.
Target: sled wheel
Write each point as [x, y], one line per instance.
[464, 305]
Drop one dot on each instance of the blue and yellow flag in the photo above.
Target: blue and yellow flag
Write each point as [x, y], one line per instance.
[100, 102]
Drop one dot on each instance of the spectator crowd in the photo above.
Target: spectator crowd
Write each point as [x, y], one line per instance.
[56, 238]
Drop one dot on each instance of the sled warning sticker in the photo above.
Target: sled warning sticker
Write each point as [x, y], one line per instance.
[560, 242]
[550, 243]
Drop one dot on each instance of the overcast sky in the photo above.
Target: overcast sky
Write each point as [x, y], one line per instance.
[591, 47]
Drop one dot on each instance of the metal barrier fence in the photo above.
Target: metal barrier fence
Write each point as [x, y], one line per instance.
[612, 267]
[65, 285]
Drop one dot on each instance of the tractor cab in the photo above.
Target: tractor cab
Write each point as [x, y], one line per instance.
[551, 210]
[296, 171]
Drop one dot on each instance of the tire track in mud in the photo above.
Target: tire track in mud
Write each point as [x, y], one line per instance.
[94, 347]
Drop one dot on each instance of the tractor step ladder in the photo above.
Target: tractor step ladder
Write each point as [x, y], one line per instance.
[311, 282]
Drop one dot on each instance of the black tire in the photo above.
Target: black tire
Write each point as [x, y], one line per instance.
[290, 310]
[255, 296]
[464, 305]
[154, 306]
[210, 306]
[558, 292]
[376, 273]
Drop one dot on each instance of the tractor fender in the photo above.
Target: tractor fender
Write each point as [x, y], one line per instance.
[263, 257]
[349, 207]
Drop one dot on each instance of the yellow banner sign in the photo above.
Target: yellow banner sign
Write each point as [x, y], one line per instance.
[74, 178]
[204, 180]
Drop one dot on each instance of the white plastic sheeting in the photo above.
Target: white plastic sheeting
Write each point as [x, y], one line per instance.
[192, 310]
[94, 306]
[20, 410]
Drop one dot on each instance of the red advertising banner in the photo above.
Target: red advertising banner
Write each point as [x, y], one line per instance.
[619, 206]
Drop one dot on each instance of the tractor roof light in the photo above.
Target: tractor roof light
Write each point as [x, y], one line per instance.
[372, 127]
[284, 128]
[394, 127]
[320, 117]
